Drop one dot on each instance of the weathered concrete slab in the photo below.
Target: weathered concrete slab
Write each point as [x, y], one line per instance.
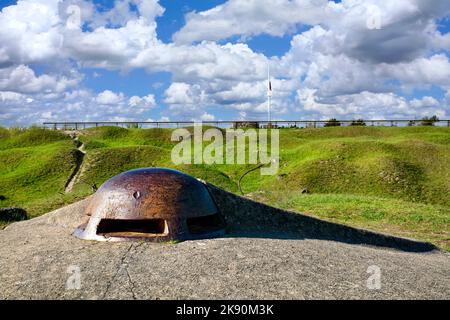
[269, 254]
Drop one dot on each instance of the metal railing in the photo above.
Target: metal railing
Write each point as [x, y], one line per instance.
[73, 125]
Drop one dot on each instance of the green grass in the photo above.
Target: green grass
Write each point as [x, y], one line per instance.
[394, 180]
[407, 219]
[34, 168]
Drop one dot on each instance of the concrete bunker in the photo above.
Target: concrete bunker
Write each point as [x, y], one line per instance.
[154, 205]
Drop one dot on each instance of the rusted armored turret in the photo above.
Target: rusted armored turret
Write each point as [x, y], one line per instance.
[153, 205]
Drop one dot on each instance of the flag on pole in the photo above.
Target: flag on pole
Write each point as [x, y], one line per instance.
[269, 97]
[269, 91]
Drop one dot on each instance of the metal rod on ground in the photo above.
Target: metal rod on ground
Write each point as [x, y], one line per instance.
[246, 173]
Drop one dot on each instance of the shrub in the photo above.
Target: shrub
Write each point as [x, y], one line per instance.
[358, 123]
[4, 133]
[12, 214]
[429, 122]
[133, 126]
[332, 123]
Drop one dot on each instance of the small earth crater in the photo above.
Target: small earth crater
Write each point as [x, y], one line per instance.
[12, 214]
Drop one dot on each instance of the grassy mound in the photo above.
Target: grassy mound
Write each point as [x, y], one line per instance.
[411, 170]
[102, 137]
[20, 138]
[34, 167]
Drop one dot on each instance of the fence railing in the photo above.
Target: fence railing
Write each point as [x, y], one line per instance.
[71, 125]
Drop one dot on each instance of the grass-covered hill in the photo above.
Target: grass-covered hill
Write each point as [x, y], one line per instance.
[34, 167]
[394, 180]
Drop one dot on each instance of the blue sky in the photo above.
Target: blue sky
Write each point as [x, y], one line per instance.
[173, 18]
[190, 60]
[139, 82]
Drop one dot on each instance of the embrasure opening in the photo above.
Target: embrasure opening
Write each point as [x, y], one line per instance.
[206, 224]
[127, 228]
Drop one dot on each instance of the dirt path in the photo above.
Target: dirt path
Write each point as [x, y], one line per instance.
[76, 173]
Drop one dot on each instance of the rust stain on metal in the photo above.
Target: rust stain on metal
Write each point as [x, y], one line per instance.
[151, 204]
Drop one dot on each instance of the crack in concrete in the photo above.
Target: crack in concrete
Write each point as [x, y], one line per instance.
[120, 266]
[131, 282]
[123, 266]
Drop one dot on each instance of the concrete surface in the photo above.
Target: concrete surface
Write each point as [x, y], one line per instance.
[268, 254]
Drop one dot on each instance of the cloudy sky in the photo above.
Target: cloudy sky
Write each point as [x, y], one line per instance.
[66, 60]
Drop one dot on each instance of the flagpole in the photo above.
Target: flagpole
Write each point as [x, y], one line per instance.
[269, 97]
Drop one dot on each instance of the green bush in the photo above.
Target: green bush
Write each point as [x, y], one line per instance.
[358, 123]
[4, 133]
[332, 123]
[429, 122]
